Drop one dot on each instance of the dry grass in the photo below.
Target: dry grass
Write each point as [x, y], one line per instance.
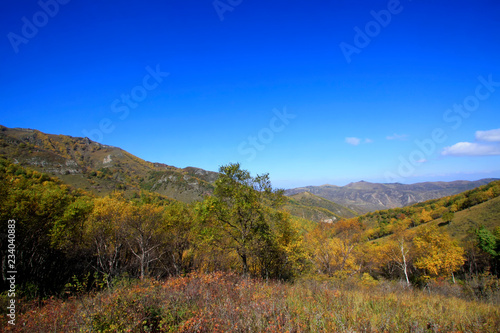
[225, 302]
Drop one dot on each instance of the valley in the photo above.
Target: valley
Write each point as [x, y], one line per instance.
[101, 219]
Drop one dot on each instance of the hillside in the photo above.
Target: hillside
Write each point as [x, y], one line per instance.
[485, 214]
[99, 168]
[363, 197]
[315, 208]
[70, 229]
[460, 214]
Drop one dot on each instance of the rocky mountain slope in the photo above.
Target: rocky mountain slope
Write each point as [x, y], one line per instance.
[364, 197]
[99, 168]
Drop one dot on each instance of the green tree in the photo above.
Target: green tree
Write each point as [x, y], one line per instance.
[487, 241]
[448, 216]
[490, 244]
[67, 233]
[240, 211]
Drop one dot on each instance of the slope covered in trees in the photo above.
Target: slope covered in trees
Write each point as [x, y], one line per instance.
[68, 240]
[382, 223]
[59, 229]
[102, 169]
[241, 227]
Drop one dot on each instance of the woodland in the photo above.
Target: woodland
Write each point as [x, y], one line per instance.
[238, 261]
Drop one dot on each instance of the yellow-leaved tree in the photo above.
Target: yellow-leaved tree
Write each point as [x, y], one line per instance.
[146, 234]
[437, 253]
[425, 216]
[105, 235]
[333, 247]
[399, 252]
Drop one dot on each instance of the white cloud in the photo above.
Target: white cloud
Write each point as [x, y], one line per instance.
[396, 136]
[487, 145]
[488, 136]
[471, 149]
[353, 141]
[356, 141]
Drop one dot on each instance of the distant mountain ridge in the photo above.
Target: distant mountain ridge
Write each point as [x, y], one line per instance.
[363, 197]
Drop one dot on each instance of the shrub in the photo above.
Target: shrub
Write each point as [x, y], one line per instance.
[225, 302]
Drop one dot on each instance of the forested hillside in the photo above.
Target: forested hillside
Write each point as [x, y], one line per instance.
[101, 170]
[310, 202]
[60, 229]
[385, 222]
[70, 242]
[243, 226]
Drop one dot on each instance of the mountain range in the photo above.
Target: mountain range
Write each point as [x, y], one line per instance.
[363, 197]
[102, 169]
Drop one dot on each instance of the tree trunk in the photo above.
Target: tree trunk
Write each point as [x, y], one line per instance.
[245, 263]
[142, 265]
[405, 265]
[406, 276]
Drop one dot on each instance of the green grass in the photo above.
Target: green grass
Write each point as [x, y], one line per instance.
[486, 214]
[464, 222]
[225, 302]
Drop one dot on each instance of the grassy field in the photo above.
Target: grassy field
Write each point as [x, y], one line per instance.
[224, 302]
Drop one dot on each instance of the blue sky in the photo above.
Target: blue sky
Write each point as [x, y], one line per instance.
[312, 92]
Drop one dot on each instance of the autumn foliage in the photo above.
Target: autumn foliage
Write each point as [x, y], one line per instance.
[237, 261]
[227, 302]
